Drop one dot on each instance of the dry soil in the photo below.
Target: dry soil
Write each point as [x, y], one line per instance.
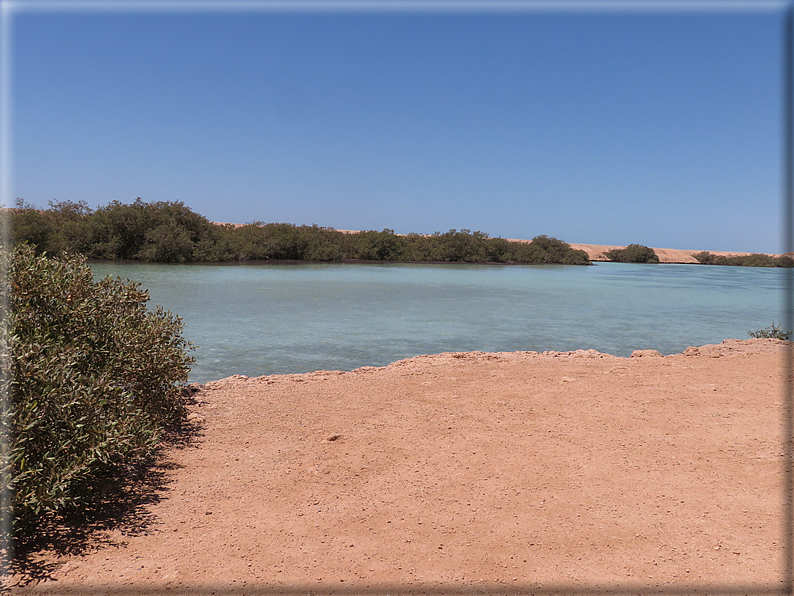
[574, 472]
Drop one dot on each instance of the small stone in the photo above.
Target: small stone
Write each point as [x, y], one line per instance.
[646, 354]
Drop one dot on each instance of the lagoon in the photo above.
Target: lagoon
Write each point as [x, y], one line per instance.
[259, 319]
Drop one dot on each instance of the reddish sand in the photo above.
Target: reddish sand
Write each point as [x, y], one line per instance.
[489, 473]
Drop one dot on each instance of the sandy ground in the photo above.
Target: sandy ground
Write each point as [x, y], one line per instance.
[508, 473]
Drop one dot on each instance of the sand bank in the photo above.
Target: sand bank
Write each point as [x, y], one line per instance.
[514, 471]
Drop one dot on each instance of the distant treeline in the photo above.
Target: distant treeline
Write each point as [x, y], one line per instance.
[169, 232]
[753, 260]
[637, 253]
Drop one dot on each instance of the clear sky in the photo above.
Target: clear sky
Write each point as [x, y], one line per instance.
[660, 127]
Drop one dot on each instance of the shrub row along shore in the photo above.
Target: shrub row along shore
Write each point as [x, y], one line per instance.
[169, 232]
[751, 260]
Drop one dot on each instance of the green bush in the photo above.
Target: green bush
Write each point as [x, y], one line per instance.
[163, 231]
[94, 384]
[382, 246]
[704, 258]
[633, 253]
[546, 249]
[774, 331]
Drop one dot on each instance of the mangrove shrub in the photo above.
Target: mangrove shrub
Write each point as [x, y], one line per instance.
[95, 382]
[633, 253]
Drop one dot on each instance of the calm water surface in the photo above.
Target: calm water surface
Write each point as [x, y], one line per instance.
[267, 319]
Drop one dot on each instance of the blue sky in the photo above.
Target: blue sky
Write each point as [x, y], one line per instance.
[595, 126]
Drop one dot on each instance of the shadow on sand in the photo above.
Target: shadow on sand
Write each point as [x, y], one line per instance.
[124, 507]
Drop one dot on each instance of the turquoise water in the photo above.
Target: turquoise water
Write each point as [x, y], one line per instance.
[267, 319]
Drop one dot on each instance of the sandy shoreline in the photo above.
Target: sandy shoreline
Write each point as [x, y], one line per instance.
[465, 471]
